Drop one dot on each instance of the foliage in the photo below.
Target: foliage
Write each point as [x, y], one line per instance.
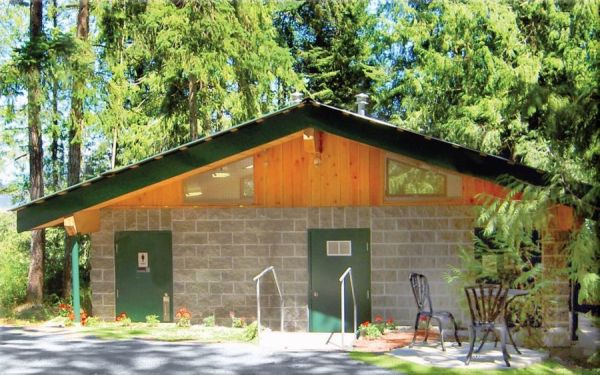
[516, 79]
[376, 328]
[66, 310]
[209, 321]
[236, 322]
[123, 319]
[584, 253]
[152, 320]
[14, 261]
[515, 230]
[183, 317]
[369, 330]
[330, 41]
[205, 64]
[251, 331]
[93, 321]
[34, 313]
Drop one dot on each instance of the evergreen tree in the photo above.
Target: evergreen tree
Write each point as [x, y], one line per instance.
[80, 70]
[203, 64]
[35, 285]
[518, 79]
[331, 43]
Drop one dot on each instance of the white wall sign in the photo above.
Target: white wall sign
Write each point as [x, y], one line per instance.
[143, 260]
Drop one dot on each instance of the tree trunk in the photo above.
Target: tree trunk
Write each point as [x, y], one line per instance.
[55, 136]
[113, 156]
[75, 135]
[77, 100]
[55, 129]
[193, 107]
[35, 286]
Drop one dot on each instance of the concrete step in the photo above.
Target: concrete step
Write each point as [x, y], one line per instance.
[300, 341]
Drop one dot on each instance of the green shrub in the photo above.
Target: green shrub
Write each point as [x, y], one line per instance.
[34, 313]
[237, 322]
[251, 331]
[209, 321]
[125, 322]
[183, 318]
[371, 330]
[93, 321]
[152, 320]
[14, 263]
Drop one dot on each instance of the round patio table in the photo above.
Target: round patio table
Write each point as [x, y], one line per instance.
[510, 296]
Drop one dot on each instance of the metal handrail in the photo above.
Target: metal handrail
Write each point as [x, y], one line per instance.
[347, 273]
[257, 279]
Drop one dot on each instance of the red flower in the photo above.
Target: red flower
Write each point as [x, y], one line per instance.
[423, 318]
[121, 316]
[365, 324]
[183, 313]
[390, 320]
[378, 318]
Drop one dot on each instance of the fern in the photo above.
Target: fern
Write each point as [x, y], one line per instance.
[508, 224]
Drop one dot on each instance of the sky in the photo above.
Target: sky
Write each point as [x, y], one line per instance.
[5, 202]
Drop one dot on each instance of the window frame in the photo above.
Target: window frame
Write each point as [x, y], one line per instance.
[398, 197]
[241, 202]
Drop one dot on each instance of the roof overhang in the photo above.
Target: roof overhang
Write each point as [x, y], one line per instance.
[52, 209]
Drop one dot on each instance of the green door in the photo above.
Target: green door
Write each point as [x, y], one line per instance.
[144, 273]
[331, 252]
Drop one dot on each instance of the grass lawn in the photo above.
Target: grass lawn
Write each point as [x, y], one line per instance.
[396, 364]
[15, 322]
[165, 332]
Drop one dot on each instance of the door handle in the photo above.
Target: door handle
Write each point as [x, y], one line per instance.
[315, 293]
[368, 294]
[166, 308]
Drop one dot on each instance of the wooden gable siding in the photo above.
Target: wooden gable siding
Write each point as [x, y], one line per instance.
[344, 173]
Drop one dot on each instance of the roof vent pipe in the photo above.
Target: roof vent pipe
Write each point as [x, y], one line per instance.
[297, 97]
[361, 103]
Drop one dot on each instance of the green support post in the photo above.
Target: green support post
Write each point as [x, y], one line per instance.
[75, 279]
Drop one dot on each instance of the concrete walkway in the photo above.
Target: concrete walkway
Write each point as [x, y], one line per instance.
[589, 336]
[43, 351]
[306, 341]
[489, 358]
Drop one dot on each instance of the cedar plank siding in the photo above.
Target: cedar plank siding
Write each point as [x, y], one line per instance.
[345, 174]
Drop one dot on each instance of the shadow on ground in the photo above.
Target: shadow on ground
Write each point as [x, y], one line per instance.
[33, 351]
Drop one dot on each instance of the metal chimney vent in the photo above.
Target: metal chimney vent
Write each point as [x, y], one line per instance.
[361, 103]
[297, 97]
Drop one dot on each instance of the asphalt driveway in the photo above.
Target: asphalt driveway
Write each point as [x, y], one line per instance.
[41, 351]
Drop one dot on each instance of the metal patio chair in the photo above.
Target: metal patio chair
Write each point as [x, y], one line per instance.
[487, 304]
[420, 288]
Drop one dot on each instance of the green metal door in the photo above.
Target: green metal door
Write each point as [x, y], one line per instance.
[144, 273]
[331, 252]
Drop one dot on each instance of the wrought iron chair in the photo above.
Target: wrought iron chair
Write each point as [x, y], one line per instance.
[420, 288]
[487, 305]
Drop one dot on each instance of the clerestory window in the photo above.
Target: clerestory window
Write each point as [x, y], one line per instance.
[230, 184]
[405, 180]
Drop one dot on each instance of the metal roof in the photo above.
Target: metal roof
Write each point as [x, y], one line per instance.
[256, 132]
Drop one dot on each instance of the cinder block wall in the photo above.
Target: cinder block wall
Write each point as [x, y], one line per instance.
[217, 252]
[423, 239]
[556, 306]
